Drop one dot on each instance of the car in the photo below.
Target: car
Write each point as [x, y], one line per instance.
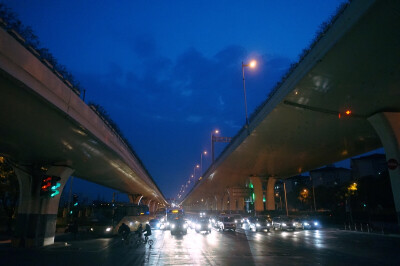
[226, 223]
[178, 226]
[203, 224]
[238, 219]
[283, 223]
[309, 223]
[155, 224]
[259, 223]
[101, 227]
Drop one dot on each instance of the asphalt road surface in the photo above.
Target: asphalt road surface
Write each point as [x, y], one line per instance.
[243, 247]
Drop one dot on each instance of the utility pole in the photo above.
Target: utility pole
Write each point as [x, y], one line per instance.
[284, 188]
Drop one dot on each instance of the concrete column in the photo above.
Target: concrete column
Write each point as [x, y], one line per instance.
[270, 197]
[218, 202]
[387, 126]
[152, 206]
[37, 216]
[135, 198]
[232, 200]
[257, 185]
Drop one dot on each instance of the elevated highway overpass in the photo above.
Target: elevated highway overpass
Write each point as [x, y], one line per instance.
[44, 124]
[354, 65]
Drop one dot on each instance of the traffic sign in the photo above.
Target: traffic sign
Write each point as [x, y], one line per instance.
[392, 164]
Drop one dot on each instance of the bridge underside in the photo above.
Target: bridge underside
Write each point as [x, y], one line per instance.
[355, 66]
[34, 133]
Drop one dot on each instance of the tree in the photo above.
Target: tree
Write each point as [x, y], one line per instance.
[8, 191]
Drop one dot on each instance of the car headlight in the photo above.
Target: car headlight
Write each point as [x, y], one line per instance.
[283, 224]
[108, 229]
[172, 225]
[294, 224]
[258, 225]
[91, 229]
[213, 220]
[306, 223]
[315, 223]
[167, 223]
[268, 224]
[209, 225]
[185, 226]
[158, 225]
[198, 226]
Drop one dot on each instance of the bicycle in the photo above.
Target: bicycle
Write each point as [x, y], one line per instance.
[144, 241]
[128, 239]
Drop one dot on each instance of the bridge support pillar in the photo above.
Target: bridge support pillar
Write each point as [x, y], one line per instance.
[271, 194]
[37, 216]
[387, 125]
[135, 198]
[152, 206]
[258, 193]
[218, 202]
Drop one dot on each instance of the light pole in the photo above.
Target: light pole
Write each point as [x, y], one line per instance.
[252, 64]
[194, 171]
[201, 163]
[212, 143]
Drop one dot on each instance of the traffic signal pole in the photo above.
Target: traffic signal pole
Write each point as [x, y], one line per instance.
[70, 196]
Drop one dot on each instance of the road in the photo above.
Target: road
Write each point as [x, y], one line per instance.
[243, 247]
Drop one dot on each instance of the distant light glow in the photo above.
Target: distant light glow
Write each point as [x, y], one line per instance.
[253, 63]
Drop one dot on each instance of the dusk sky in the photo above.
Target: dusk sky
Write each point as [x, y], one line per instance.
[169, 72]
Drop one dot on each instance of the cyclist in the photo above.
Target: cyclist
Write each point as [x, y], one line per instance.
[139, 231]
[148, 232]
[124, 231]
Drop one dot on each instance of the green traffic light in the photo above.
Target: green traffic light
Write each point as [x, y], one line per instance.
[54, 190]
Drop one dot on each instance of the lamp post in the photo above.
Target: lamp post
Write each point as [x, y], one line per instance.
[201, 163]
[252, 64]
[212, 143]
[194, 171]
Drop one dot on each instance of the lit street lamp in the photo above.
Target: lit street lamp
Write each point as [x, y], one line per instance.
[201, 163]
[212, 143]
[252, 64]
[194, 171]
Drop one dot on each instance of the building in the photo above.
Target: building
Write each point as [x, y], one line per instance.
[330, 176]
[371, 165]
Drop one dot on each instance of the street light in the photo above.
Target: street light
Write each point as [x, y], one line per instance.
[212, 143]
[194, 171]
[252, 64]
[201, 162]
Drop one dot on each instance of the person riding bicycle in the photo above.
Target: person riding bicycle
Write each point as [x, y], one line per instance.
[148, 232]
[124, 230]
[139, 231]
